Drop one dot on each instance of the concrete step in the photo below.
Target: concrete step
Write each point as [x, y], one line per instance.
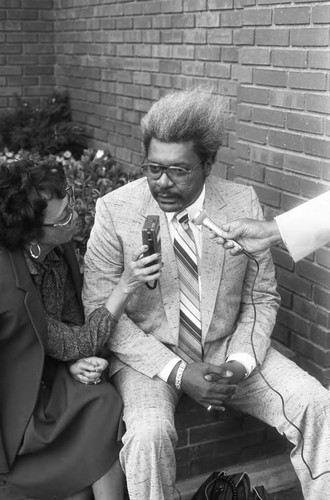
[276, 474]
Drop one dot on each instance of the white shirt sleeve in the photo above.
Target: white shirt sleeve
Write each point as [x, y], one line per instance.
[306, 228]
[245, 359]
[165, 372]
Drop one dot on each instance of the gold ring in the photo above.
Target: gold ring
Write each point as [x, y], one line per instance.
[209, 408]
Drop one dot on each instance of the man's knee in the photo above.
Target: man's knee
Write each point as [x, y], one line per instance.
[313, 400]
[319, 401]
[152, 430]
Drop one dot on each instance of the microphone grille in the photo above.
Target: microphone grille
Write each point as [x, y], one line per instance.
[199, 217]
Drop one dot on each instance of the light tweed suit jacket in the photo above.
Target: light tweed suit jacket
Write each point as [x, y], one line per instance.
[146, 336]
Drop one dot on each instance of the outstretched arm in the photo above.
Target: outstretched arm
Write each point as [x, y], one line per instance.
[253, 235]
[67, 340]
[302, 229]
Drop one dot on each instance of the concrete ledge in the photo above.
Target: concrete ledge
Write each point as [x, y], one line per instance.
[275, 474]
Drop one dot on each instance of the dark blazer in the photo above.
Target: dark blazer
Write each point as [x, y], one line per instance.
[23, 331]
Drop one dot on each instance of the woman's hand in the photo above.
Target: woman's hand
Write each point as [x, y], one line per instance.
[141, 270]
[88, 370]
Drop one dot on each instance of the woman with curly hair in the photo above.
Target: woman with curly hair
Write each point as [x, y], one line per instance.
[58, 437]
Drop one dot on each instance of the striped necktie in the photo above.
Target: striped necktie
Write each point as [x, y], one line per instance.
[190, 337]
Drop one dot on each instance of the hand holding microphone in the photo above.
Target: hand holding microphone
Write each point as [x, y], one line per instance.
[201, 218]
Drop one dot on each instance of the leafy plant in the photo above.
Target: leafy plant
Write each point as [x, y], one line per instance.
[45, 129]
[94, 175]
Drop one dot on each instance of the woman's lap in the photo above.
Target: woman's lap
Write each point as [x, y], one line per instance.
[72, 439]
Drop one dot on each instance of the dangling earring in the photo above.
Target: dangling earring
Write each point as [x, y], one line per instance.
[35, 255]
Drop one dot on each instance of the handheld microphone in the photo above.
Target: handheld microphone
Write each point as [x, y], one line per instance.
[201, 218]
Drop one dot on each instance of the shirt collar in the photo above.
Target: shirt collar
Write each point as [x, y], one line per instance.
[191, 209]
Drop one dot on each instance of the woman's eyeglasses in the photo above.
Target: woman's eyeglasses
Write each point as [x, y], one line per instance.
[69, 211]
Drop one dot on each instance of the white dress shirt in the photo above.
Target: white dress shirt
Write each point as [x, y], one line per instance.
[306, 228]
[243, 358]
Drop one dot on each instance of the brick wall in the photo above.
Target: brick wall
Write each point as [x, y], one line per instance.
[26, 50]
[271, 58]
[283, 149]
[216, 440]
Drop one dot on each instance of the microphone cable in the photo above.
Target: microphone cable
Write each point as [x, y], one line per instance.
[259, 370]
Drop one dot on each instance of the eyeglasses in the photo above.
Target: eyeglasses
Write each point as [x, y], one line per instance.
[69, 212]
[178, 175]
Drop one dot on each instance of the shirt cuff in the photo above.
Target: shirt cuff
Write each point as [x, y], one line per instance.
[165, 372]
[245, 359]
[281, 224]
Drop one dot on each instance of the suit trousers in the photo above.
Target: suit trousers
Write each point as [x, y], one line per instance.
[147, 456]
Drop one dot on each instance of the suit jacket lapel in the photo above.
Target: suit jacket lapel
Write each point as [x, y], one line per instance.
[169, 280]
[33, 302]
[212, 255]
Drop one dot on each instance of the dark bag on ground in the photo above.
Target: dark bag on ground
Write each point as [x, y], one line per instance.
[222, 486]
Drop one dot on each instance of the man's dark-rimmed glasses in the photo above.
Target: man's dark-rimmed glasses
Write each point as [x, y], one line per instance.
[178, 175]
